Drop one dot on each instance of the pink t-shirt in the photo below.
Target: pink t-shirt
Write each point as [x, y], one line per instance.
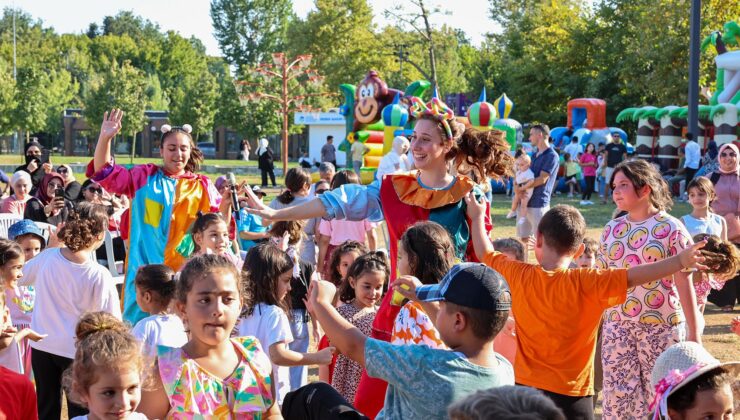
[13, 205]
[345, 230]
[626, 244]
[588, 170]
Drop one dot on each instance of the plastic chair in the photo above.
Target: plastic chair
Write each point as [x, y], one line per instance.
[7, 220]
[111, 259]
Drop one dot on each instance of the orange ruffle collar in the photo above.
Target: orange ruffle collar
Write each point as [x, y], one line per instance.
[411, 192]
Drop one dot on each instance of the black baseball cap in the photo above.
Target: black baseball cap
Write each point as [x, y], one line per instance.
[473, 285]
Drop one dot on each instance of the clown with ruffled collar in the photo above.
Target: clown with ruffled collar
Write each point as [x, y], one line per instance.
[429, 193]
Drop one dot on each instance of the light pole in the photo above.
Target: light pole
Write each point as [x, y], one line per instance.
[285, 70]
[693, 106]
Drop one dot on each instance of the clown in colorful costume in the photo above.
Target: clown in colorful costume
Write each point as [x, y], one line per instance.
[402, 200]
[162, 209]
[194, 393]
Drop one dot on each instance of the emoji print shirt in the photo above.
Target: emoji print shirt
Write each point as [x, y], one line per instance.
[625, 243]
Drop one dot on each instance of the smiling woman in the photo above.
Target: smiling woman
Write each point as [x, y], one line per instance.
[157, 192]
[429, 193]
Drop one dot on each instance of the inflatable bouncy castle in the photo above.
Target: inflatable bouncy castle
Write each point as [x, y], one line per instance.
[587, 121]
[374, 115]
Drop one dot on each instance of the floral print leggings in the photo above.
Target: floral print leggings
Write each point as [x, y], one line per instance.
[628, 353]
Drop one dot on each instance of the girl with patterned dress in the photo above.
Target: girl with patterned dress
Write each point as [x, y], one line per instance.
[702, 220]
[425, 252]
[157, 194]
[439, 143]
[212, 376]
[656, 314]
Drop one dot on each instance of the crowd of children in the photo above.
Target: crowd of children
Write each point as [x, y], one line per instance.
[445, 324]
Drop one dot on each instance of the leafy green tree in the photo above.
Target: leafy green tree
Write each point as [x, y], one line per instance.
[194, 103]
[29, 113]
[248, 31]
[122, 86]
[7, 97]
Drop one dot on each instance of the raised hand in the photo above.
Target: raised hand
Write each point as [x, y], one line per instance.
[47, 167]
[321, 291]
[476, 207]
[32, 166]
[692, 259]
[406, 286]
[111, 124]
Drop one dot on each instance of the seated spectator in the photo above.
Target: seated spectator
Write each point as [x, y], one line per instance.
[72, 188]
[47, 206]
[16, 202]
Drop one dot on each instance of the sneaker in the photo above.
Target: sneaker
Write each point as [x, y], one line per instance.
[590, 203]
[584, 203]
[521, 220]
[511, 215]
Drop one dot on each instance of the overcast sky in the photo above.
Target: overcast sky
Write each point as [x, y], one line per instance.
[191, 17]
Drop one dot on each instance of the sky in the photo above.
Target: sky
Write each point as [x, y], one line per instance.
[191, 17]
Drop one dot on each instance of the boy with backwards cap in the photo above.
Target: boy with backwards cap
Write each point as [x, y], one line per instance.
[558, 310]
[470, 304]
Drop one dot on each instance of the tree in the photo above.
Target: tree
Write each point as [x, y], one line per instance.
[121, 87]
[248, 31]
[7, 97]
[418, 20]
[340, 36]
[29, 113]
[194, 103]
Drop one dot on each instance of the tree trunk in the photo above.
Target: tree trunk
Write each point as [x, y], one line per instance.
[432, 60]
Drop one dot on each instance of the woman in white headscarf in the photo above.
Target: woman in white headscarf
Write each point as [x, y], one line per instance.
[395, 160]
[266, 163]
[16, 202]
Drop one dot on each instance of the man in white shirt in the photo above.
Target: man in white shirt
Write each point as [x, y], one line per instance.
[574, 148]
[692, 159]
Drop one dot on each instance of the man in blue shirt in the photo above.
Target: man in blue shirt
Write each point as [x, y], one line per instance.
[545, 168]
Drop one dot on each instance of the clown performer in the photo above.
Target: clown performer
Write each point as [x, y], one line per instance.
[429, 193]
[165, 200]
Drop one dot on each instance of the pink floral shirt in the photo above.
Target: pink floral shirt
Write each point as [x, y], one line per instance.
[626, 244]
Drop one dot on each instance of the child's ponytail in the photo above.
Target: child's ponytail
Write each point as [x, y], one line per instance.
[721, 257]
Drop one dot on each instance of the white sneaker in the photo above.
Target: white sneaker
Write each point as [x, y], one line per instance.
[584, 202]
[521, 220]
[590, 203]
[511, 215]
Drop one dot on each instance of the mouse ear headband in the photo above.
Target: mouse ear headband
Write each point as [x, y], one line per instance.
[436, 109]
[166, 128]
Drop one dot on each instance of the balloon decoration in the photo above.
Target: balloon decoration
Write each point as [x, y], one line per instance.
[504, 106]
[482, 114]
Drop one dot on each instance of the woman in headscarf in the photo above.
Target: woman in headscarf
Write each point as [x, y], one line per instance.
[33, 152]
[47, 206]
[395, 160]
[266, 163]
[16, 202]
[726, 182]
[72, 188]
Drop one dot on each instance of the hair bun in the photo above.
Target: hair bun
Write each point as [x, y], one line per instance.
[94, 322]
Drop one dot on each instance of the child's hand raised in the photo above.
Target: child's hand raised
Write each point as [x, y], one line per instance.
[691, 258]
[476, 206]
[111, 124]
[325, 355]
[406, 286]
[321, 291]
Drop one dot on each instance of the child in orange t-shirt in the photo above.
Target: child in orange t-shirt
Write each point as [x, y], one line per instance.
[558, 310]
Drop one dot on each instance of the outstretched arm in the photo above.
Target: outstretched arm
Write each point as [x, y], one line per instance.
[689, 258]
[476, 212]
[110, 127]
